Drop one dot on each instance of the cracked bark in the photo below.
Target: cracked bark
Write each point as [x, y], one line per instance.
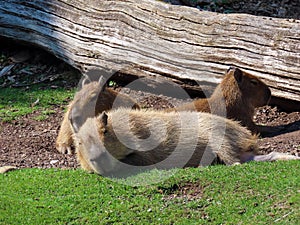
[144, 38]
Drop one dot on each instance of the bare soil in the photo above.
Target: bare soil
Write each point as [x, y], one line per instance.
[27, 142]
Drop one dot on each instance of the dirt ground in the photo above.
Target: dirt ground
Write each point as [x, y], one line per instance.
[272, 8]
[27, 143]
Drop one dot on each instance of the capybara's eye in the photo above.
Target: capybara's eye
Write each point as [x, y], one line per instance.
[254, 82]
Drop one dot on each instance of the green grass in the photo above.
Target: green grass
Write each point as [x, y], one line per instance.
[255, 193]
[19, 102]
[44, 114]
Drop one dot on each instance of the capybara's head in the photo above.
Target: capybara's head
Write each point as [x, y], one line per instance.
[93, 99]
[109, 139]
[92, 148]
[252, 90]
[84, 104]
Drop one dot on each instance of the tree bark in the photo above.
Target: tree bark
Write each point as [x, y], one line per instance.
[154, 38]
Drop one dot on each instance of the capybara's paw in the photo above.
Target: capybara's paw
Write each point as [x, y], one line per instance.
[64, 148]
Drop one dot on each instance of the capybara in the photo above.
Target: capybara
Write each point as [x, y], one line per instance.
[236, 97]
[126, 140]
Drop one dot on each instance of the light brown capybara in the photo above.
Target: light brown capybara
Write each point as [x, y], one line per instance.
[128, 141]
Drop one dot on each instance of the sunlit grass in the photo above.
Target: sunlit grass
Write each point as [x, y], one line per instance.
[255, 193]
[19, 102]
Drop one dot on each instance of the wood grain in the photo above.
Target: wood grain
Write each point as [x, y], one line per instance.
[153, 38]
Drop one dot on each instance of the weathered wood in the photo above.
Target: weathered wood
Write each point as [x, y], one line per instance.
[151, 37]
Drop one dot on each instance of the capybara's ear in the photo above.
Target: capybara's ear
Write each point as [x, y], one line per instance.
[231, 68]
[102, 83]
[76, 119]
[103, 118]
[238, 75]
[99, 76]
[86, 80]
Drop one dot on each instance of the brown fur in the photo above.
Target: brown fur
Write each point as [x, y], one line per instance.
[91, 100]
[150, 137]
[236, 97]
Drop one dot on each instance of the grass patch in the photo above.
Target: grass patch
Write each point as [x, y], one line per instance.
[19, 102]
[44, 115]
[255, 193]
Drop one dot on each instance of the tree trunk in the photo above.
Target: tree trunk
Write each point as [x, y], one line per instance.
[154, 38]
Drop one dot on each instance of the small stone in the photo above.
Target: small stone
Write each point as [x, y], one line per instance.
[52, 162]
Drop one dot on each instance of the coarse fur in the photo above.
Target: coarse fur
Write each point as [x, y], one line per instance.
[135, 139]
[92, 99]
[236, 97]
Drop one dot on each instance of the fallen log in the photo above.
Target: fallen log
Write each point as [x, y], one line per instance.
[143, 38]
